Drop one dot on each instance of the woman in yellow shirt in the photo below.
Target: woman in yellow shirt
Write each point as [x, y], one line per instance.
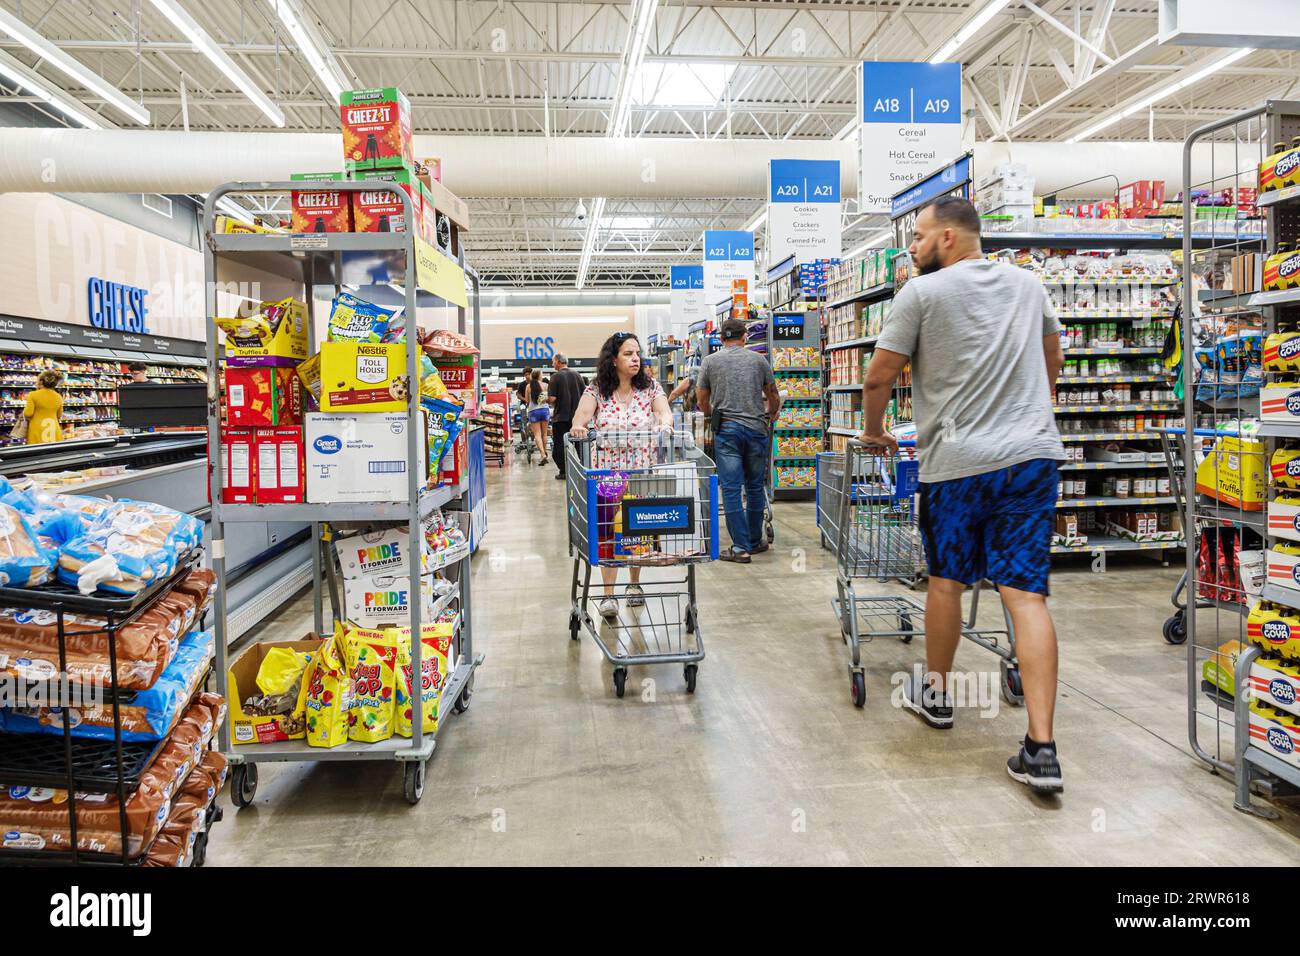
[44, 409]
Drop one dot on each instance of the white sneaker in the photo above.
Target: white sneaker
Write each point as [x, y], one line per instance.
[635, 596]
[608, 609]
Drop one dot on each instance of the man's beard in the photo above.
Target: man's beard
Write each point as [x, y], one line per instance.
[925, 268]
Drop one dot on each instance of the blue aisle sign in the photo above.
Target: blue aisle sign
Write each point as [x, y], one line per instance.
[728, 245]
[803, 212]
[728, 256]
[913, 93]
[911, 122]
[804, 180]
[683, 278]
[932, 187]
[686, 297]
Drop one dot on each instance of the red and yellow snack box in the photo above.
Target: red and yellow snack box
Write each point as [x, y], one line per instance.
[276, 335]
[1282, 270]
[320, 210]
[372, 667]
[239, 474]
[376, 129]
[364, 377]
[1282, 352]
[253, 728]
[263, 396]
[1281, 169]
[281, 465]
[380, 210]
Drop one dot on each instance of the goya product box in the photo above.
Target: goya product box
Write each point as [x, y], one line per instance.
[1284, 468]
[247, 727]
[276, 335]
[320, 210]
[1281, 169]
[1282, 567]
[364, 377]
[376, 129]
[1275, 629]
[358, 457]
[380, 210]
[1282, 352]
[263, 396]
[239, 466]
[1282, 270]
[1279, 401]
[281, 467]
[1276, 683]
[1275, 731]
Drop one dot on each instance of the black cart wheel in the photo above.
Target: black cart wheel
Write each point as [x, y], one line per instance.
[575, 625]
[200, 850]
[905, 624]
[413, 783]
[691, 670]
[1013, 692]
[243, 784]
[1175, 629]
[462, 700]
[771, 533]
[620, 681]
[690, 621]
[858, 690]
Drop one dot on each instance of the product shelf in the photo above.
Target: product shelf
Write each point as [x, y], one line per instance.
[882, 291]
[1115, 502]
[1113, 314]
[1143, 281]
[1099, 409]
[1107, 436]
[1114, 543]
[1110, 465]
[339, 510]
[1276, 297]
[1278, 196]
[1280, 595]
[852, 387]
[1108, 379]
[1279, 429]
[865, 342]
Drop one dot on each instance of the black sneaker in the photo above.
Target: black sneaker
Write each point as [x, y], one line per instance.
[559, 477]
[926, 702]
[1041, 772]
[731, 554]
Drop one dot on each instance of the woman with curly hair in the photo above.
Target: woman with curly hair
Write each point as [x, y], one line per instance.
[623, 399]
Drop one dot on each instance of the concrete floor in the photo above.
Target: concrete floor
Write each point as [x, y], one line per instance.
[768, 762]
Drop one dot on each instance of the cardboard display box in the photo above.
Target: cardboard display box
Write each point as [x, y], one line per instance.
[358, 457]
[376, 129]
[323, 210]
[364, 376]
[1276, 683]
[239, 466]
[1275, 732]
[281, 470]
[242, 676]
[280, 340]
[382, 211]
[263, 397]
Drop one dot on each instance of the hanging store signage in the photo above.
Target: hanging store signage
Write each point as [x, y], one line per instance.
[37, 332]
[911, 125]
[437, 274]
[728, 256]
[950, 179]
[686, 296]
[803, 212]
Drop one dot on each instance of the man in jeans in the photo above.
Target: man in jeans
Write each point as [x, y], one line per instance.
[735, 387]
[985, 348]
[563, 394]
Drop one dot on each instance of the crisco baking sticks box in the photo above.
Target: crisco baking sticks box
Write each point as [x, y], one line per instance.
[1276, 732]
[380, 210]
[1282, 271]
[364, 377]
[1276, 683]
[376, 129]
[323, 210]
[1282, 169]
[1275, 629]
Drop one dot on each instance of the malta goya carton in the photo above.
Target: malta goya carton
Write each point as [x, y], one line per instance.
[1233, 472]
[1275, 732]
[1282, 270]
[1282, 352]
[1276, 683]
[1281, 169]
[1274, 628]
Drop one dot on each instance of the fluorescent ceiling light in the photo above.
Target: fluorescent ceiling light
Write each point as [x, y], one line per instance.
[681, 85]
[208, 47]
[969, 30]
[628, 223]
[17, 72]
[1163, 93]
[633, 56]
[73, 68]
[881, 236]
[318, 55]
[589, 241]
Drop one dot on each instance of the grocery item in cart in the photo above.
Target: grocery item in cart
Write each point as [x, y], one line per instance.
[327, 692]
[1276, 732]
[1275, 628]
[24, 561]
[276, 335]
[372, 668]
[1233, 472]
[435, 650]
[1282, 352]
[145, 715]
[353, 319]
[1276, 683]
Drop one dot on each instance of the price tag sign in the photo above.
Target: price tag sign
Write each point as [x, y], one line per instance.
[787, 328]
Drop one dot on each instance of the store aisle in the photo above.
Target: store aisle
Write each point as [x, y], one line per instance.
[768, 762]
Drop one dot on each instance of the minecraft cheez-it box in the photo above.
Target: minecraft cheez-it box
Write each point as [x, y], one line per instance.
[376, 129]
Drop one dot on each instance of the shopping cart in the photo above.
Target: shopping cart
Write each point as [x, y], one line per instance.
[641, 499]
[868, 506]
[525, 444]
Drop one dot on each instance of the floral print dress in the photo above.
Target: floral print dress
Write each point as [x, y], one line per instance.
[613, 448]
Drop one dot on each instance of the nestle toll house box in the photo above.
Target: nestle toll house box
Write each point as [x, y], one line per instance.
[253, 728]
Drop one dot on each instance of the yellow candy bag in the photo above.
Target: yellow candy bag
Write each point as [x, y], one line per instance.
[435, 641]
[372, 666]
[280, 670]
[327, 693]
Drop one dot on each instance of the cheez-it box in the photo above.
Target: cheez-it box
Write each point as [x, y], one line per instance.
[376, 129]
[263, 396]
[323, 210]
[239, 466]
[380, 210]
[281, 465]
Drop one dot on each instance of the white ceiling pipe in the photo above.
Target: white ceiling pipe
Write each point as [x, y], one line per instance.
[105, 161]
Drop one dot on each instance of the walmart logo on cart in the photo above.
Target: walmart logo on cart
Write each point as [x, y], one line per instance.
[644, 519]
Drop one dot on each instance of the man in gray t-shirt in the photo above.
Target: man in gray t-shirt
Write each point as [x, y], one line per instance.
[737, 389]
[985, 350]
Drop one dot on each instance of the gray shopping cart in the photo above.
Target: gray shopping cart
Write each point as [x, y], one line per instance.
[867, 506]
[641, 500]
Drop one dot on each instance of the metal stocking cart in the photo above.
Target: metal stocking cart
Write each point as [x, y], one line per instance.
[661, 513]
[309, 260]
[868, 509]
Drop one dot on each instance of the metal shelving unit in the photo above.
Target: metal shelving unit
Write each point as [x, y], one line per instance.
[334, 258]
[799, 328]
